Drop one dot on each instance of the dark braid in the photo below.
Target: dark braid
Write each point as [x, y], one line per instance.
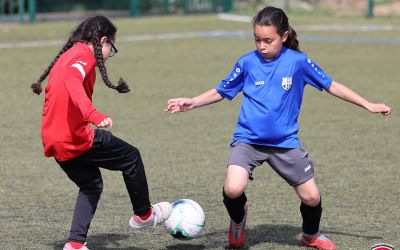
[122, 87]
[89, 31]
[271, 16]
[37, 86]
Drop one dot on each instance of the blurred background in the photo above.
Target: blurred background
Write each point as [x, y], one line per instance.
[48, 10]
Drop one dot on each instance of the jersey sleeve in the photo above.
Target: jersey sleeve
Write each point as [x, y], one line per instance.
[77, 71]
[233, 83]
[314, 75]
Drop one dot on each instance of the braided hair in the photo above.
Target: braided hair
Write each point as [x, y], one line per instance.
[271, 16]
[89, 31]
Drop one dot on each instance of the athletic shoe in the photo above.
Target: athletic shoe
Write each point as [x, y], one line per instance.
[160, 212]
[237, 232]
[318, 241]
[68, 246]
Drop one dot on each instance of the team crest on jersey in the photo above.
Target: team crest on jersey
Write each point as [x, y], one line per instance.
[286, 83]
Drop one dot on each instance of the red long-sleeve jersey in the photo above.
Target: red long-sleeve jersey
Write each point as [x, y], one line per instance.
[68, 109]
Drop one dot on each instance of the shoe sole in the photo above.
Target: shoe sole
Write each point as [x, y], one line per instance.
[305, 244]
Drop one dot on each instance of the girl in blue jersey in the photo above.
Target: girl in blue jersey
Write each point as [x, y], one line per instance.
[272, 79]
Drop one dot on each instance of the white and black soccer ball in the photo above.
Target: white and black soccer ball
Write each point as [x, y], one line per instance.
[186, 220]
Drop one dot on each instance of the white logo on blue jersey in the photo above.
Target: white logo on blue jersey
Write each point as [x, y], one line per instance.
[315, 67]
[258, 83]
[286, 83]
[232, 76]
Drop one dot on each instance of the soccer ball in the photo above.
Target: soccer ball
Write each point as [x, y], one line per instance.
[186, 220]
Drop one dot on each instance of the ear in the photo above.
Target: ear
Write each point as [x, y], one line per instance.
[285, 36]
[103, 40]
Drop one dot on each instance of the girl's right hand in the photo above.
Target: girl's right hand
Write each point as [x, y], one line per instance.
[179, 105]
[107, 122]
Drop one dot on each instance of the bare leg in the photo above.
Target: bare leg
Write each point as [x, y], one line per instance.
[236, 181]
[310, 208]
[308, 192]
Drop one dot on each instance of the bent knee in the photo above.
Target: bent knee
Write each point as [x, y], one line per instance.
[311, 199]
[232, 190]
[133, 165]
[95, 187]
[132, 153]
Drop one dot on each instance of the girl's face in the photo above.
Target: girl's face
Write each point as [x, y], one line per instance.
[268, 41]
[108, 48]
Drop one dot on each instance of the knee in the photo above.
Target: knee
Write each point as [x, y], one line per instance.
[134, 165]
[233, 191]
[99, 188]
[311, 199]
[132, 153]
[95, 187]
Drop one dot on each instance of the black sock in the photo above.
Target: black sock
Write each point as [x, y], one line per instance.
[235, 206]
[311, 218]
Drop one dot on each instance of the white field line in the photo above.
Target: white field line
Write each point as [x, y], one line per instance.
[320, 27]
[241, 34]
[235, 18]
[30, 44]
[134, 38]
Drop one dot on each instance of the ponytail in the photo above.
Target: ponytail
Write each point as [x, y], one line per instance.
[291, 41]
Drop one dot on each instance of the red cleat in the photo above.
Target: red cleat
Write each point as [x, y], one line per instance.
[318, 241]
[237, 232]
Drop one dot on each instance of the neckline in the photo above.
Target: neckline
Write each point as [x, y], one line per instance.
[273, 61]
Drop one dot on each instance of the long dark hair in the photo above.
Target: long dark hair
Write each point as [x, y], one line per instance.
[89, 31]
[271, 16]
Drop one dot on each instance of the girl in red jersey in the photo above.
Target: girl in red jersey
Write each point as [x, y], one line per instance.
[80, 150]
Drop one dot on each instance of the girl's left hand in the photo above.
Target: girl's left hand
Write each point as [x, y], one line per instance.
[379, 108]
[107, 122]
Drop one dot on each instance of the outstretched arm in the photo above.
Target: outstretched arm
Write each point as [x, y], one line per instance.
[185, 104]
[344, 93]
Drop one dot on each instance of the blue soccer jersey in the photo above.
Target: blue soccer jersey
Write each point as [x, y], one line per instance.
[272, 96]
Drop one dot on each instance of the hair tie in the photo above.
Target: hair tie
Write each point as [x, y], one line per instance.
[36, 88]
[122, 86]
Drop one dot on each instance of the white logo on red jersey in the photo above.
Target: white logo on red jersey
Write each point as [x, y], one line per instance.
[83, 63]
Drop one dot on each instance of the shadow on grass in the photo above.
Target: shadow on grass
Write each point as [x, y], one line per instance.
[186, 246]
[287, 235]
[280, 234]
[100, 242]
[333, 231]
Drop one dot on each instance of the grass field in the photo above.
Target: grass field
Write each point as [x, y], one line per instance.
[356, 154]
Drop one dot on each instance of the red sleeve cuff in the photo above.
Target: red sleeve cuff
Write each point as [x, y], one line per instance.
[97, 118]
